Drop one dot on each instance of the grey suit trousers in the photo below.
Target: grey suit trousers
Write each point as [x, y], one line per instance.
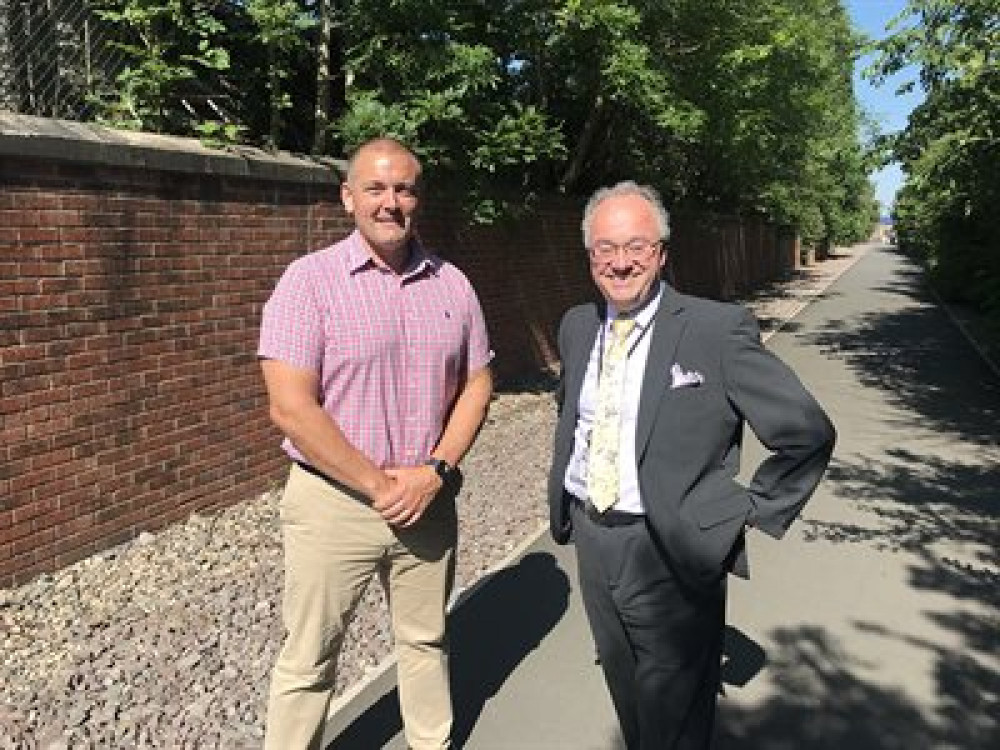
[660, 643]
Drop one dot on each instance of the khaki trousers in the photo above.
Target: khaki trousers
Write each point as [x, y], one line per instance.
[333, 545]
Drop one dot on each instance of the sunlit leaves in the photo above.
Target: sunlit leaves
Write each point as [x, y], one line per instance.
[729, 105]
[950, 147]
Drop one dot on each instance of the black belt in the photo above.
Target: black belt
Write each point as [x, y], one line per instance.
[608, 518]
[339, 486]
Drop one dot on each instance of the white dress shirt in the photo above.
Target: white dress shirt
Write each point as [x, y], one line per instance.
[575, 481]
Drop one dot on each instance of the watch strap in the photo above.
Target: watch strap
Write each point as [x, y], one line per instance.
[441, 467]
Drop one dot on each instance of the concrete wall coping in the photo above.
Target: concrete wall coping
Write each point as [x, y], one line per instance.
[88, 143]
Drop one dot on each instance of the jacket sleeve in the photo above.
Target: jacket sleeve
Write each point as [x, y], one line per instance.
[560, 524]
[786, 419]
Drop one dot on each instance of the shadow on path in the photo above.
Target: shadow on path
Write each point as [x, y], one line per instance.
[913, 352]
[498, 627]
[922, 492]
[820, 703]
[742, 659]
[492, 630]
[931, 489]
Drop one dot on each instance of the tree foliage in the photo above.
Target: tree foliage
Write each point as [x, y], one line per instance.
[950, 148]
[171, 45]
[728, 105]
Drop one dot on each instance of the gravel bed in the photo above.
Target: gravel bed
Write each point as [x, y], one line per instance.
[168, 641]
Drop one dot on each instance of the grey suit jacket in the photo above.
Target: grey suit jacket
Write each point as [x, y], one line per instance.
[688, 438]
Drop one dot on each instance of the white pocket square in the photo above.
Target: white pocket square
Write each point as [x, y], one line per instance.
[680, 378]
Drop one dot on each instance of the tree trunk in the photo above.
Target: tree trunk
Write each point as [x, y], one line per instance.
[274, 100]
[321, 120]
[584, 145]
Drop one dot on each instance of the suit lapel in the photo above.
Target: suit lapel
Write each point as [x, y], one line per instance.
[667, 332]
[584, 339]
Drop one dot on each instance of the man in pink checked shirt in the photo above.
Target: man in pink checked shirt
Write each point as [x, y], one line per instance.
[376, 362]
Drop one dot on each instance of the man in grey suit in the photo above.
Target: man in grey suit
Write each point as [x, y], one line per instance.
[656, 387]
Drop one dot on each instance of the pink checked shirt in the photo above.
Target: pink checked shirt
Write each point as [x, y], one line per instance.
[392, 352]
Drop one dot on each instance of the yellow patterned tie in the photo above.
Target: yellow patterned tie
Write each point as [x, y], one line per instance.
[603, 476]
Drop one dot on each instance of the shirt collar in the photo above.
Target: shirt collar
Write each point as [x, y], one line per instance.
[359, 257]
[645, 314]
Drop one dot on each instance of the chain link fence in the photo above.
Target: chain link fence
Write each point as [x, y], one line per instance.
[55, 56]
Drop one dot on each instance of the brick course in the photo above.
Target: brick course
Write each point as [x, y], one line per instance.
[129, 303]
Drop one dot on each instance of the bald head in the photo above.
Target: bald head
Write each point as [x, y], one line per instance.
[376, 147]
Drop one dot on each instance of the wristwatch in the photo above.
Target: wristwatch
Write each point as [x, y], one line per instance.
[441, 467]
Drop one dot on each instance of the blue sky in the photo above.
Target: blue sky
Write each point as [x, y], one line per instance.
[886, 110]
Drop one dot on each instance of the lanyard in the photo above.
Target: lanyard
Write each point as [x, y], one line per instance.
[632, 347]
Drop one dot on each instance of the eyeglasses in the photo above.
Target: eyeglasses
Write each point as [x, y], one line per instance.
[632, 250]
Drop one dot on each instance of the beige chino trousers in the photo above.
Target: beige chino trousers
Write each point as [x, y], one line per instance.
[333, 545]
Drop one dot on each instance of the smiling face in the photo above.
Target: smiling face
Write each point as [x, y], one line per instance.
[626, 279]
[381, 193]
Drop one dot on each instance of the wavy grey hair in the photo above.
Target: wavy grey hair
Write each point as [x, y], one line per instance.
[627, 187]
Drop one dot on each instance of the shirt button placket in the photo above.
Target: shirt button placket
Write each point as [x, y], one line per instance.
[410, 350]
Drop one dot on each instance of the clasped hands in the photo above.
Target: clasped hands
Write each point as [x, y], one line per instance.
[408, 494]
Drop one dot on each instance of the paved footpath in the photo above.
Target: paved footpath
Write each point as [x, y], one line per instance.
[874, 624]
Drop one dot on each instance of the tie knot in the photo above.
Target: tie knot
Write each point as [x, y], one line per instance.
[621, 328]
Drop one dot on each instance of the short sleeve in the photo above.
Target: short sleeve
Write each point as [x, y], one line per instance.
[480, 353]
[291, 329]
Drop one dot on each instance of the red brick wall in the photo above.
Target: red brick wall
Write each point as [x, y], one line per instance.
[129, 391]
[130, 297]
[526, 273]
